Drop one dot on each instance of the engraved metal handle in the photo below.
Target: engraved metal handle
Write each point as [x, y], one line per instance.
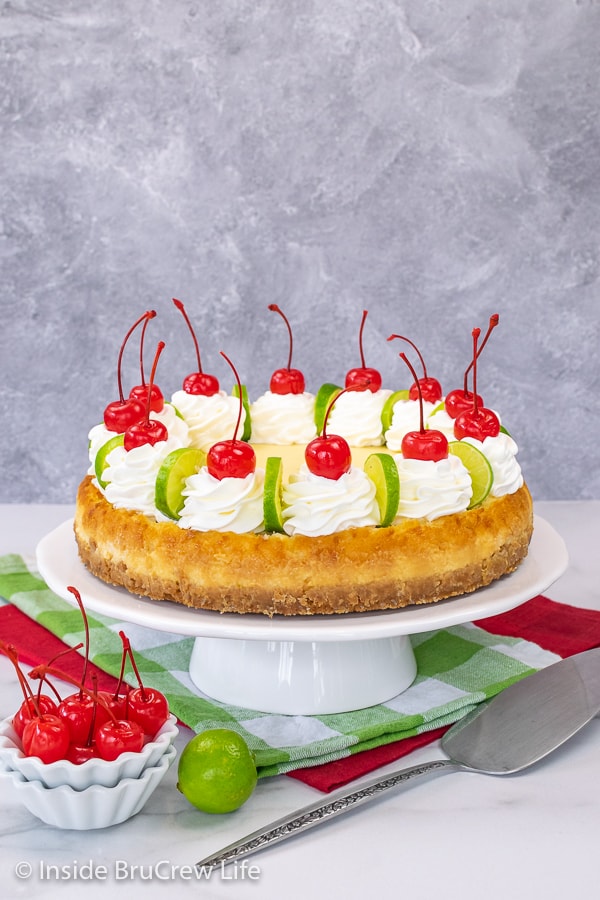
[316, 813]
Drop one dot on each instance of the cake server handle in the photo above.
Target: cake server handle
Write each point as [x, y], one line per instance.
[316, 813]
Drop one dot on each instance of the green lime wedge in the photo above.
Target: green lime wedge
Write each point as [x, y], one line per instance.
[478, 468]
[100, 463]
[246, 404]
[273, 513]
[383, 472]
[505, 430]
[388, 408]
[170, 481]
[436, 409]
[325, 395]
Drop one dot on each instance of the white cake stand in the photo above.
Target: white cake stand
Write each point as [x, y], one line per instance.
[302, 665]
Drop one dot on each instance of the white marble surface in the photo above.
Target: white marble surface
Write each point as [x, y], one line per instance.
[461, 836]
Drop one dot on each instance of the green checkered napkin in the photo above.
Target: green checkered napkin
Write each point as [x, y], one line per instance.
[458, 667]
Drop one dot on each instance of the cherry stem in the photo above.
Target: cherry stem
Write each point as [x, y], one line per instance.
[122, 671]
[11, 652]
[90, 737]
[77, 595]
[274, 308]
[52, 688]
[239, 384]
[414, 375]
[149, 315]
[50, 663]
[494, 319]
[476, 332]
[415, 348]
[127, 649]
[352, 387]
[43, 671]
[360, 338]
[120, 359]
[181, 309]
[159, 349]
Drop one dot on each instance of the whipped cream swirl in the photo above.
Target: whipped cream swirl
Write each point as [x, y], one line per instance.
[430, 489]
[406, 416]
[283, 418]
[313, 505]
[441, 421]
[501, 452]
[209, 419]
[356, 416]
[131, 476]
[229, 504]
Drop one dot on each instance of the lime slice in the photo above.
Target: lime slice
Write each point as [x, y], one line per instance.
[478, 468]
[326, 393]
[383, 472]
[273, 513]
[246, 404]
[505, 430]
[100, 463]
[170, 481]
[436, 409]
[388, 408]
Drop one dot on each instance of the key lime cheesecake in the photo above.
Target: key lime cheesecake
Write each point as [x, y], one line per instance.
[351, 499]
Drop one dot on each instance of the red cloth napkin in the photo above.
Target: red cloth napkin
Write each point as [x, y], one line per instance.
[562, 629]
[36, 645]
[556, 627]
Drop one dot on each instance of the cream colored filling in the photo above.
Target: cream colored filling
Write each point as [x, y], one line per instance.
[292, 455]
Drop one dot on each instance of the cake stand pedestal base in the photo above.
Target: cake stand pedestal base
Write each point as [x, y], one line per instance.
[302, 677]
[301, 665]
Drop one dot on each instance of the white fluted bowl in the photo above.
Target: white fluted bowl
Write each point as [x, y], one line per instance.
[96, 806]
[102, 772]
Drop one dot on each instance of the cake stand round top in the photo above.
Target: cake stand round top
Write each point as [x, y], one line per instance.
[59, 565]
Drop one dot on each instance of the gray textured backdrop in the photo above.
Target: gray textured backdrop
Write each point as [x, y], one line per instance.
[430, 162]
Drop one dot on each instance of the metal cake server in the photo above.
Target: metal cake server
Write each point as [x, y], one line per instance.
[518, 727]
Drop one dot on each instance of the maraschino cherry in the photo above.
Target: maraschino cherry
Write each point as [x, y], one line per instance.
[476, 422]
[146, 706]
[329, 454]
[147, 431]
[426, 443]
[198, 382]
[46, 737]
[81, 750]
[232, 458]
[363, 378]
[460, 400]
[78, 710]
[43, 735]
[122, 413]
[286, 381]
[112, 738]
[32, 706]
[425, 388]
[140, 391]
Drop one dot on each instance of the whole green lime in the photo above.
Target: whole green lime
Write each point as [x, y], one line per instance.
[217, 771]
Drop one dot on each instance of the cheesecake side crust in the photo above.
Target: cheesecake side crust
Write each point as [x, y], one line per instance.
[356, 570]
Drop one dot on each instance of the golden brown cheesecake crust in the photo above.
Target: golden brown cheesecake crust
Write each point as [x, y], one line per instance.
[357, 570]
